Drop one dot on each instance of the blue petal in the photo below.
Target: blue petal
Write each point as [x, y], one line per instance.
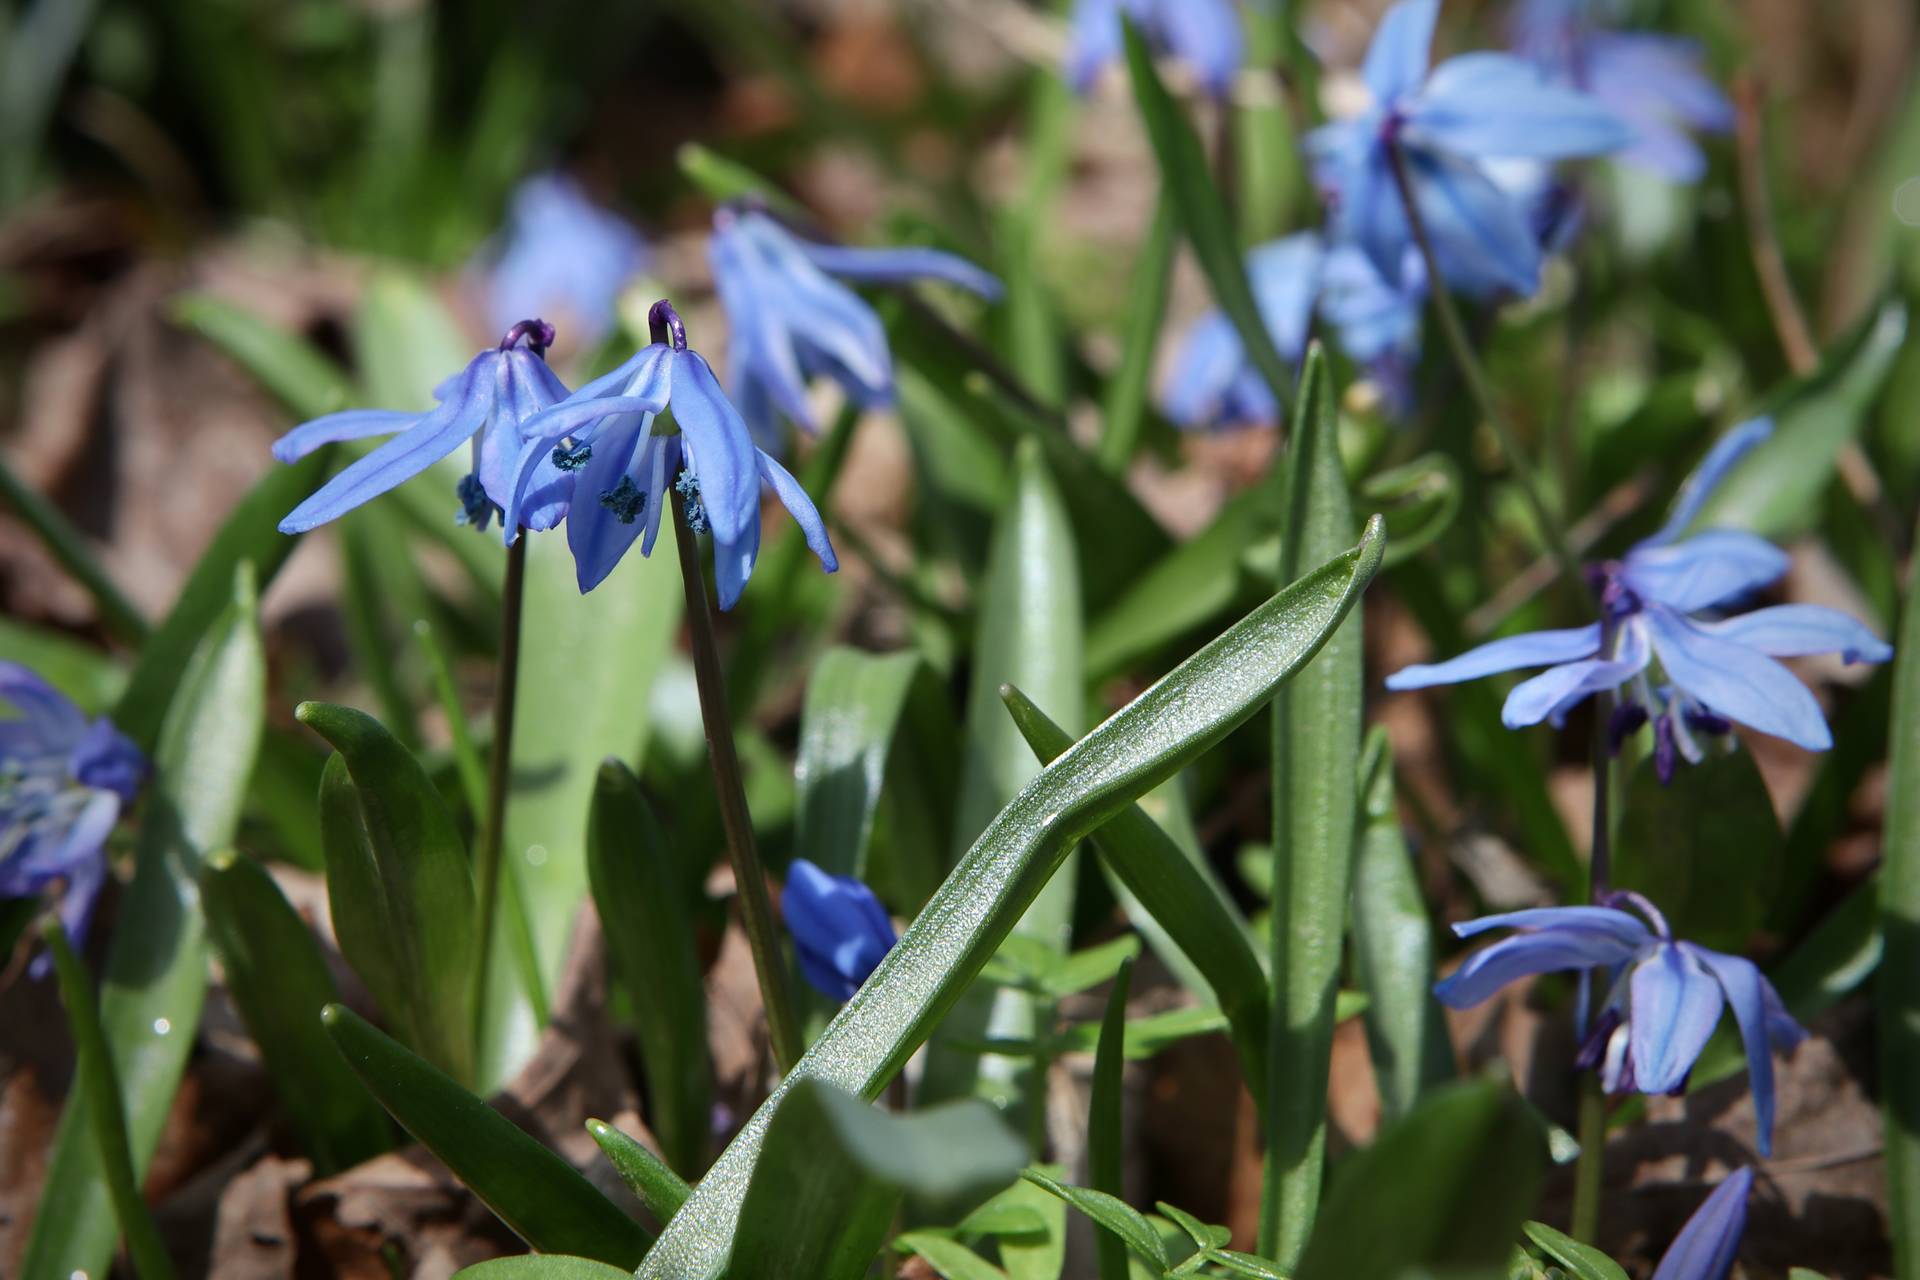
[1487, 970]
[1204, 366]
[817, 313]
[562, 253]
[1676, 1005]
[1093, 43]
[354, 424]
[901, 266]
[1739, 683]
[583, 421]
[801, 508]
[1529, 649]
[644, 374]
[760, 343]
[1481, 235]
[1205, 34]
[1554, 692]
[1708, 569]
[1491, 104]
[719, 450]
[1661, 70]
[733, 562]
[1285, 275]
[1397, 59]
[840, 930]
[1795, 630]
[1728, 450]
[596, 537]
[1706, 1245]
[1623, 926]
[1745, 990]
[524, 388]
[44, 711]
[107, 760]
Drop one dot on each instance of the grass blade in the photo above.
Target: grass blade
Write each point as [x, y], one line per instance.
[660, 1189]
[1899, 985]
[1106, 1153]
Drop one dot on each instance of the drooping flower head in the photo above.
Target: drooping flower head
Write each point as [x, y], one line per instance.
[610, 442]
[1204, 34]
[791, 319]
[1212, 382]
[1654, 83]
[1450, 125]
[562, 255]
[1706, 1245]
[64, 781]
[1709, 671]
[840, 930]
[484, 405]
[1664, 999]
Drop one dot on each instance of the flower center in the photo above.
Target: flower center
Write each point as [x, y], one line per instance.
[625, 500]
[476, 508]
[572, 457]
[689, 487]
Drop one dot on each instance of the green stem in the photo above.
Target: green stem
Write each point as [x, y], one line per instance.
[1593, 1102]
[750, 881]
[499, 779]
[1455, 333]
[1586, 1173]
[100, 1087]
[69, 547]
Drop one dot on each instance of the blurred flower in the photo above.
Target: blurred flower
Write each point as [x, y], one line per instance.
[1212, 382]
[789, 320]
[1376, 320]
[1664, 1001]
[1653, 83]
[602, 437]
[562, 255]
[1204, 34]
[1706, 1245]
[1448, 125]
[1717, 671]
[840, 930]
[64, 780]
[485, 404]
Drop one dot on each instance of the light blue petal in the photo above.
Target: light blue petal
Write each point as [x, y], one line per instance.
[1397, 59]
[1707, 1244]
[1494, 105]
[901, 266]
[1745, 989]
[801, 508]
[1285, 275]
[1623, 926]
[644, 373]
[1510, 653]
[1207, 360]
[761, 346]
[1206, 35]
[596, 537]
[1093, 42]
[1676, 1005]
[1739, 683]
[718, 449]
[1555, 691]
[1661, 70]
[1481, 235]
[1796, 630]
[1712, 568]
[524, 388]
[43, 710]
[1490, 968]
[819, 313]
[354, 424]
[733, 563]
[582, 420]
[1727, 451]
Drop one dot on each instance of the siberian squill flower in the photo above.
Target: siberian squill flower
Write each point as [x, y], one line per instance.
[1204, 34]
[562, 255]
[1212, 382]
[607, 439]
[790, 318]
[64, 780]
[484, 405]
[1664, 1000]
[840, 930]
[1714, 670]
[1376, 320]
[1654, 83]
[1449, 126]
[1706, 1245]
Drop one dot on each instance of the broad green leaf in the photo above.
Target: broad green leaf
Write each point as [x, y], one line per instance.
[1706, 849]
[1149, 740]
[1316, 750]
[644, 913]
[156, 970]
[277, 977]
[541, 1266]
[1582, 1261]
[1106, 1151]
[1899, 985]
[1393, 947]
[1125, 406]
[1407, 1201]
[541, 1197]
[949, 1259]
[290, 368]
[399, 885]
[660, 1189]
[834, 1168]
[1039, 1250]
[1124, 1221]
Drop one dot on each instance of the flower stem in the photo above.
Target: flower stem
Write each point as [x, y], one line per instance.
[1586, 1173]
[1470, 368]
[750, 882]
[493, 834]
[1593, 1103]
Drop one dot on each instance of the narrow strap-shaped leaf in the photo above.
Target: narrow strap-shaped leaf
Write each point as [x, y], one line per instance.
[1125, 406]
[1124, 1222]
[293, 370]
[156, 970]
[1106, 1150]
[69, 547]
[949, 1259]
[1316, 749]
[278, 978]
[541, 1197]
[1582, 1261]
[540, 1266]
[660, 1189]
[1185, 712]
[1899, 984]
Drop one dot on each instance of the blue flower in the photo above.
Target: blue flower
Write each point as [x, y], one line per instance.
[1653, 83]
[1716, 670]
[1664, 999]
[64, 781]
[1706, 1245]
[1204, 34]
[1449, 125]
[1377, 320]
[485, 404]
[561, 255]
[602, 439]
[840, 930]
[790, 320]
[1212, 382]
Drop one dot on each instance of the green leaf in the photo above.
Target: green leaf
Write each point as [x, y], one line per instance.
[1419, 499]
[723, 180]
[1582, 1261]
[279, 980]
[1404, 1202]
[1106, 1153]
[1316, 748]
[541, 1197]
[1899, 984]
[1393, 947]
[1040, 1251]
[536, 1266]
[1080, 970]
[156, 969]
[949, 1259]
[660, 1189]
[644, 911]
[91, 678]
[294, 371]
[1125, 405]
[1116, 1215]
[1776, 488]
[399, 884]
[1191, 708]
[1001, 1217]
[1203, 1235]
[833, 1170]
[70, 547]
